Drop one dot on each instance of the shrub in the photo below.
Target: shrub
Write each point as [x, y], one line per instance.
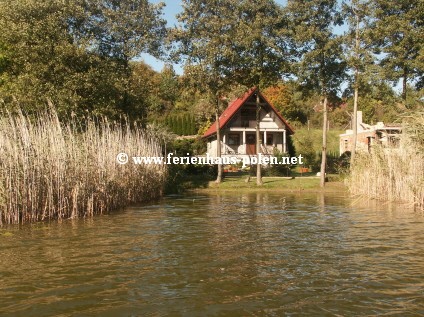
[278, 170]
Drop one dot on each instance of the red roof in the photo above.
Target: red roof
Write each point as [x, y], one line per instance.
[235, 106]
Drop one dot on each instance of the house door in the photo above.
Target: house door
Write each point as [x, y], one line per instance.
[250, 144]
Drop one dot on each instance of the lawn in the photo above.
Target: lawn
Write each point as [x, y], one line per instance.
[310, 184]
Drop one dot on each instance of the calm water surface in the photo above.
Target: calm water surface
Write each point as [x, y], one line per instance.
[220, 255]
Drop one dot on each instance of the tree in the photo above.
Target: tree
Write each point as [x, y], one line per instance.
[125, 29]
[77, 54]
[205, 44]
[45, 59]
[261, 52]
[283, 97]
[397, 32]
[144, 87]
[168, 86]
[180, 119]
[378, 102]
[4, 59]
[321, 66]
[193, 130]
[185, 124]
[172, 124]
[356, 12]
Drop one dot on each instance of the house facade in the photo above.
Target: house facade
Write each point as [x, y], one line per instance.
[238, 128]
[368, 135]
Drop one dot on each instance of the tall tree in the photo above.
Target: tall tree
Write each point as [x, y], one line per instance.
[357, 53]
[76, 53]
[288, 101]
[47, 55]
[398, 30]
[125, 29]
[262, 52]
[321, 65]
[168, 86]
[145, 83]
[205, 44]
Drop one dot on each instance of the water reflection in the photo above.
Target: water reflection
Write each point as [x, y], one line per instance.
[220, 255]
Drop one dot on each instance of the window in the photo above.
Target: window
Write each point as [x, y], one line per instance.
[247, 115]
[269, 139]
[234, 139]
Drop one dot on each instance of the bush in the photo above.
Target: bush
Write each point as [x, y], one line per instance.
[278, 170]
[272, 169]
[333, 162]
[178, 123]
[187, 176]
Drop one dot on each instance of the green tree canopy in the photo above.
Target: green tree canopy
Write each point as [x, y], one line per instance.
[321, 66]
[397, 32]
[261, 44]
[76, 53]
[205, 43]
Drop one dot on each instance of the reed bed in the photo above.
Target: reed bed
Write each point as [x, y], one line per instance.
[394, 174]
[54, 170]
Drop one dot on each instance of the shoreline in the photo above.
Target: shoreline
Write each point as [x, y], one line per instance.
[273, 184]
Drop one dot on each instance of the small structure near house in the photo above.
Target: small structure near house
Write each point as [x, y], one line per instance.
[385, 134]
[238, 128]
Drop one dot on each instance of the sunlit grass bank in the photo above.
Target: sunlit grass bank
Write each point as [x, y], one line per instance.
[394, 174]
[308, 184]
[51, 170]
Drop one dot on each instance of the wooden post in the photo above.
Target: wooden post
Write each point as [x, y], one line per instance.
[284, 141]
[258, 140]
[218, 141]
[355, 100]
[324, 144]
[244, 142]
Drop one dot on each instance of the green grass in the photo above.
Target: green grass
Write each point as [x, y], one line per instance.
[274, 184]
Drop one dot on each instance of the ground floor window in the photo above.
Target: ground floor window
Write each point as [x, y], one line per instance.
[269, 139]
[234, 139]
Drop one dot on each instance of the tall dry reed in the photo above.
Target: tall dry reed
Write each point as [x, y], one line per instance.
[53, 170]
[394, 174]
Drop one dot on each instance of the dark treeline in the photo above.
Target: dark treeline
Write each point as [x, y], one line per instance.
[82, 57]
[78, 55]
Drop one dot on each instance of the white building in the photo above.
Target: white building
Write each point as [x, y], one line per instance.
[238, 128]
[385, 134]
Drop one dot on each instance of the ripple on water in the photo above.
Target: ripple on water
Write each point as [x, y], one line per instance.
[220, 255]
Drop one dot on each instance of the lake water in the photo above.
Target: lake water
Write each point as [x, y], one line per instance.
[237, 254]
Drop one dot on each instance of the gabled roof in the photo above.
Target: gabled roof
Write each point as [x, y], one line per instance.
[235, 106]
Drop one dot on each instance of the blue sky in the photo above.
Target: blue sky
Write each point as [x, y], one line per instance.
[172, 8]
[170, 11]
